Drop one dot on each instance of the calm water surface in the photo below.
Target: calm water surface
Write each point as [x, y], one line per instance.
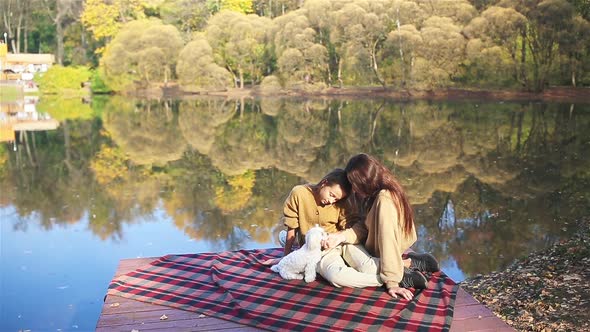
[120, 178]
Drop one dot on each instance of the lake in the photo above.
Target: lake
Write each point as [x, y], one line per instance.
[490, 181]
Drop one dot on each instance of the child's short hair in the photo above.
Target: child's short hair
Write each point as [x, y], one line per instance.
[338, 176]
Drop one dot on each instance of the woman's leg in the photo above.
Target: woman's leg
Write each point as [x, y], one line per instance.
[333, 268]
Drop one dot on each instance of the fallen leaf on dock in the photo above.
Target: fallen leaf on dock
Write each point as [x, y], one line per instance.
[116, 304]
[164, 317]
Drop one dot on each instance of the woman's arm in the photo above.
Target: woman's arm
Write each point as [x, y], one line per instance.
[389, 240]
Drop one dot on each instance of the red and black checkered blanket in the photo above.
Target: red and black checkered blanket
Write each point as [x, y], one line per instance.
[239, 286]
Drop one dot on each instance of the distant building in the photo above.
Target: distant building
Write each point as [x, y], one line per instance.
[23, 66]
[21, 115]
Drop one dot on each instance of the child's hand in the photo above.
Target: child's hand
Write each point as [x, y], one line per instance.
[333, 240]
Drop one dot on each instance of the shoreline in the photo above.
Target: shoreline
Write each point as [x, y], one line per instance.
[553, 94]
[548, 290]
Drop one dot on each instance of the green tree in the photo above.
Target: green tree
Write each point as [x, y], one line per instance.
[551, 28]
[275, 8]
[62, 13]
[16, 20]
[492, 50]
[187, 15]
[575, 49]
[552, 21]
[583, 7]
[64, 80]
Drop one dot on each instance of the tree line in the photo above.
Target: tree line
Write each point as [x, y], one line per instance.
[311, 44]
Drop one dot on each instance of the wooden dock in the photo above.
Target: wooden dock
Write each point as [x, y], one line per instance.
[125, 315]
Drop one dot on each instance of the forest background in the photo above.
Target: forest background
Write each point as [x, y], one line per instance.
[125, 45]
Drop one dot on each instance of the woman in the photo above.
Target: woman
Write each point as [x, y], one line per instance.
[387, 232]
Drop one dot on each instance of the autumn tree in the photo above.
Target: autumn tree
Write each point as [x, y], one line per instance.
[405, 41]
[441, 52]
[196, 68]
[143, 52]
[364, 25]
[238, 42]
[300, 59]
[104, 19]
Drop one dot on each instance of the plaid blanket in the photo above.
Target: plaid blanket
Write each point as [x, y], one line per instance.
[239, 286]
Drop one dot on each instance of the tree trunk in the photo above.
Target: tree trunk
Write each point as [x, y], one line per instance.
[340, 73]
[241, 78]
[270, 9]
[18, 32]
[13, 44]
[60, 41]
[26, 39]
[373, 54]
[523, 75]
[573, 77]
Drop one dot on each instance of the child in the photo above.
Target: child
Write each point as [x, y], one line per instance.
[323, 204]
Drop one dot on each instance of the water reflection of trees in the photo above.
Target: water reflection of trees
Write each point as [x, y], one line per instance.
[200, 119]
[147, 131]
[512, 173]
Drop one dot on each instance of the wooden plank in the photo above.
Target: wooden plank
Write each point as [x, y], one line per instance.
[125, 315]
[129, 315]
[464, 298]
[480, 324]
[471, 315]
[475, 310]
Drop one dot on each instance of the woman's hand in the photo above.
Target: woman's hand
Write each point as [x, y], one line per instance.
[332, 240]
[403, 292]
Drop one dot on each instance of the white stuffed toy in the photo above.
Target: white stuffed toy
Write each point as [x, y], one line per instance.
[301, 263]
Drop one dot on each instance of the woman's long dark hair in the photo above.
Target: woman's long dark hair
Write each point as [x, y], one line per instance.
[368, 176]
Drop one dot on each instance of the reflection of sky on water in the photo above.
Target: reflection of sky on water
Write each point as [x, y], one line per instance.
[449, 266]
[487, 187]
[56, 279]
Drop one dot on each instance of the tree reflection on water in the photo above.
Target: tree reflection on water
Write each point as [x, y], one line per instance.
[490, 181]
